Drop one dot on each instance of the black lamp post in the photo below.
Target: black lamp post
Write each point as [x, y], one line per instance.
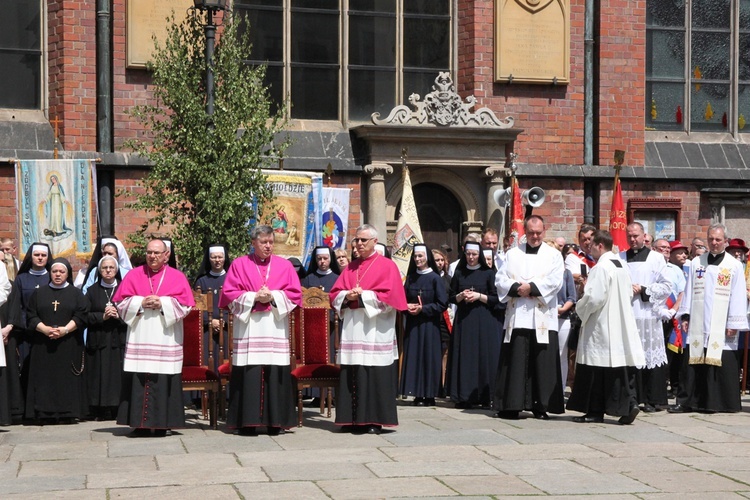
[211, 7]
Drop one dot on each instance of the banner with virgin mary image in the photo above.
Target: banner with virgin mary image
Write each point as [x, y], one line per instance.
[293, 213]
[55, 205]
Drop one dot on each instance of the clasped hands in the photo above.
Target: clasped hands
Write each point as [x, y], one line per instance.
[414, 309]
[354, 294]
[469, 296]
[151, 302]
[111, 312]
[264, 295]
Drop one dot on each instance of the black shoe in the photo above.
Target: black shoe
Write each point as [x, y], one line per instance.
[160, 433]
[347, 428]
[540, 415]
[418, 402]
[374, 429]
[508, 415]
[679, 409]
[248, 431]
[463, 405]
[313, 403]
[647, 408]
[140, 432]
[630, 417]
[429, 402]
[274, 431]
[589, 418]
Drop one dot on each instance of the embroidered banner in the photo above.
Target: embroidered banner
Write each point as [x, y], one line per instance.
[294, 212]
[334, 217]
[54, 199]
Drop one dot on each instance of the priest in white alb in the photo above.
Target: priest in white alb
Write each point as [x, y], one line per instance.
[609, 342]
[528, 279]
[651, 289]
[152, 300]
[714, 311]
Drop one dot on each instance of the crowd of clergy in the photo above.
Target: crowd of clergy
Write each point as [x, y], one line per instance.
[505, 328]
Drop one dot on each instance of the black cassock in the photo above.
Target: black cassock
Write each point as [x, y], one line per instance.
[56, 386]
[423, 355]
[105, 350]
[474, 350]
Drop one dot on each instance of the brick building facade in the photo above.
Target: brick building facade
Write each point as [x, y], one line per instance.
[706, 172]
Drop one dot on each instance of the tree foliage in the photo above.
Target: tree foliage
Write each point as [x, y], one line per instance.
[204, 173]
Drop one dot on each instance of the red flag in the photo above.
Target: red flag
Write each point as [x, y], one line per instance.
[618, 220]
[516, 214]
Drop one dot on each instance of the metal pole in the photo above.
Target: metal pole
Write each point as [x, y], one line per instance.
[210, 30]
[588, 84]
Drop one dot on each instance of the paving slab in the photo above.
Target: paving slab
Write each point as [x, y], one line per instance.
[219, 441]
[332, 456]
[40, 468]
[653, 450]
[489, 485]
[578, 434]
[741, 476]
[435, 469]
[640, 434]
[5, 451]
[334, 440]
[36, 486]
[289, 489]
[630, 464]
[205, 476]
[730, 449]
[385, 488]
[317, 470]
[194, 461]
[521, 467]
[716, 495]
[9, 469]
[687, 482]
[571, 484]
[435, 453]
[59, 451]
[706, 434]
[716, 464]
[61, 495]
[541, 451]
[145, 447]
[29, 434]
[210, 492]
[457, 437]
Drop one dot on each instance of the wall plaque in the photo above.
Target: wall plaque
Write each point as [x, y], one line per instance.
[146, 18]
[532, 41]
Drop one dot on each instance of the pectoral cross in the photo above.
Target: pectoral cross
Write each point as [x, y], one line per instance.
[471, 289]
[55, 303]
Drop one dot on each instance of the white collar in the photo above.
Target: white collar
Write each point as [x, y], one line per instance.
[474, 267]
[216, 275]
[38, 273]
[324, 273]
[424, 271]
[58, 287]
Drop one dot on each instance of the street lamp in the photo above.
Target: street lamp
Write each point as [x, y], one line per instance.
[211, 7]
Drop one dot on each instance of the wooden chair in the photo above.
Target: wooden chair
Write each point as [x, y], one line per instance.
[225, 362]
[196, 375]
[311, 349]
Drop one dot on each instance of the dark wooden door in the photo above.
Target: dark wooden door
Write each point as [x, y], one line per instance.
[440, 217]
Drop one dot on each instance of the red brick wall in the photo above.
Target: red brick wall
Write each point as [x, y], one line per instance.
[563, 207]
[553, 116]
[72, 71]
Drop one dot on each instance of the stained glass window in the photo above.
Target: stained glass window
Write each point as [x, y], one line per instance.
[21, 55]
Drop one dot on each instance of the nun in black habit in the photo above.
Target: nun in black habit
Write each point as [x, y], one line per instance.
[56, 316]
[427, 299]
[474, 350]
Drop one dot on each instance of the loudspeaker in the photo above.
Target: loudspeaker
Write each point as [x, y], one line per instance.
[502, 197]
[533, 197]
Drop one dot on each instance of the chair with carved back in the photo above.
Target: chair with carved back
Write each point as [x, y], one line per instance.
[196, 374]
[310, 346]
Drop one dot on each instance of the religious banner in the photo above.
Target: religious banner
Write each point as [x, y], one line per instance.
[294, 212]
[408, 232]
[54, 199]
[334, 217]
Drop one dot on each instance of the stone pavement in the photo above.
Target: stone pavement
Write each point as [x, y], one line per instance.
[435, 452]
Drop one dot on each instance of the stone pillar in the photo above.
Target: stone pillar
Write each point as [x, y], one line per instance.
[495, 214]
[376, 203]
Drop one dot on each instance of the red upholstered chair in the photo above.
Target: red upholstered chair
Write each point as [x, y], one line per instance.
[196, 376]
[225, 363]
[311, 350]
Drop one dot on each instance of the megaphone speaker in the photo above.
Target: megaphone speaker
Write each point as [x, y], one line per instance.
[533, 197]
[502, 197]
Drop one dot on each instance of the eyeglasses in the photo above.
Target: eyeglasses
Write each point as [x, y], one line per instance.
[361, 240]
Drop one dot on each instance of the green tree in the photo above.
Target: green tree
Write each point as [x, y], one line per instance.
[204, 172]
